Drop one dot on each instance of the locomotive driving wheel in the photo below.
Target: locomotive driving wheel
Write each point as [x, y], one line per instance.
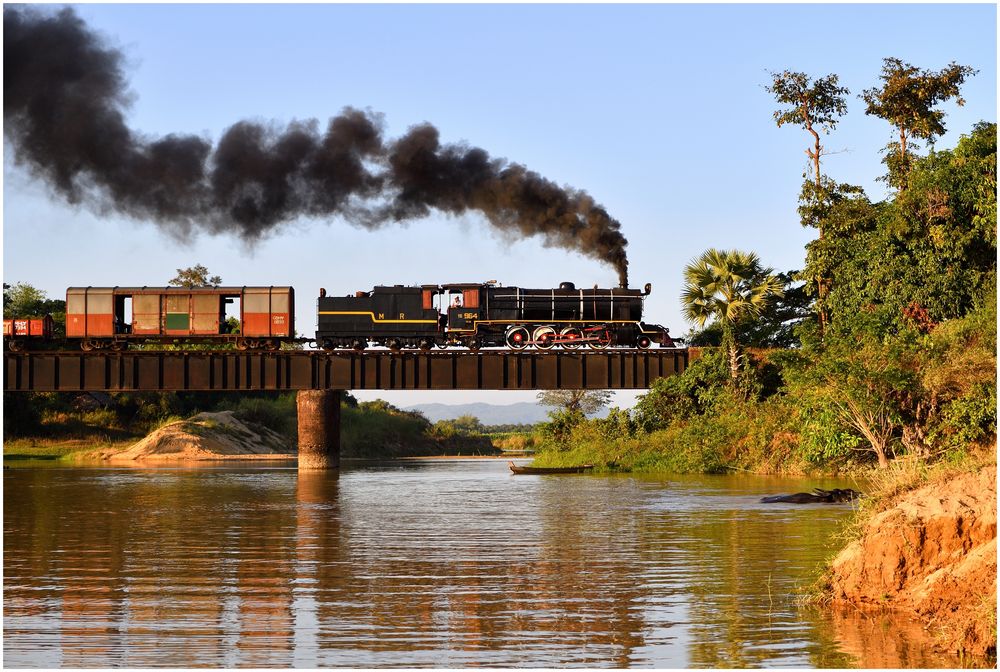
[517, 338]
[643, 342]
[600, 339]
[571, 338]
[544, 337]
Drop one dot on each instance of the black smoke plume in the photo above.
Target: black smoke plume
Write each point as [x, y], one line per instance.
[65, 96]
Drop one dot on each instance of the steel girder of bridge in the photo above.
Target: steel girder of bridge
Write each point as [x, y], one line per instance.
[230, 371]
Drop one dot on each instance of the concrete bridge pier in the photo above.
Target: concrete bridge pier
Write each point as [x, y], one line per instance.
[319, 429]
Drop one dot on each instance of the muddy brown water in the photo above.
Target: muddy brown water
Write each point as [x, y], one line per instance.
[443, 563]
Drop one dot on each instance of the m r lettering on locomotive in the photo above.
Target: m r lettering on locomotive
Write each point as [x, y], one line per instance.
[381, 316]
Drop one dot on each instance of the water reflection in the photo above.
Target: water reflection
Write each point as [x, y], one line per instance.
[444, 563]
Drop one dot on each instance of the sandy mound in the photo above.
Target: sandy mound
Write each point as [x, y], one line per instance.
[934, 553]
[206, 436]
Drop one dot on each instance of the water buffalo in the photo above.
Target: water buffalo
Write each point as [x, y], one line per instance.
[817, 496]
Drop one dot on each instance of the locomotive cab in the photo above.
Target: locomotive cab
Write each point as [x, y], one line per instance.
[464, 306]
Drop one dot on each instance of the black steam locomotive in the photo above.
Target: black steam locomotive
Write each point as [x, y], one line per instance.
[487, 315]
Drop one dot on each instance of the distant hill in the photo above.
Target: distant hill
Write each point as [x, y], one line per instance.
[489, 414]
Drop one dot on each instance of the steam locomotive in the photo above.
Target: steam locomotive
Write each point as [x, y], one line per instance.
[473, 315]
[487, 315]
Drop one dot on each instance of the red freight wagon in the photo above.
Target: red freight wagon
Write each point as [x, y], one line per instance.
[113, 316]
[16, 331]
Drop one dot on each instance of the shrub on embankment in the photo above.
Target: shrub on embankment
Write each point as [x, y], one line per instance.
[847, 401]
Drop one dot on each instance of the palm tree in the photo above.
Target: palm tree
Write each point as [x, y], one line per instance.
[727, 286]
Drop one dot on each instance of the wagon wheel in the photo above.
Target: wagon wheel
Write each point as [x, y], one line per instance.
[426, 344]
[242, 344]
[643, 342]
[15, 346]
[87, 345]
[118, 346]
[359, 345]
[474, 344]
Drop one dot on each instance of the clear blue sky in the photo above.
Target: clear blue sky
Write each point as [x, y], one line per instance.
[658, 111]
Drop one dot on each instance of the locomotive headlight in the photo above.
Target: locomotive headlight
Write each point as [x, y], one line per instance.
[648, 288]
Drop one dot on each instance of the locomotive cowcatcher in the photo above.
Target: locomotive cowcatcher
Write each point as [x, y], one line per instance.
[479, 315]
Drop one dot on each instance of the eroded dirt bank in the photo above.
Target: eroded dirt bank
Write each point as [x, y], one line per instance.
[931, 553]
[207, 436]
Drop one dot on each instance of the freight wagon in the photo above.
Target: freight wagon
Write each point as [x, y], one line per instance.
[20, 331]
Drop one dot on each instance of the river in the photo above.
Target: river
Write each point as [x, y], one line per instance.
[442, 563]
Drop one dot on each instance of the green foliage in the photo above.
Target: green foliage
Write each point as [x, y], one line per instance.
[814, 105]
[811, 103]
[465, 425]
[932, 248]
[726, 285]
[561, 424]
[585, 402]
[618, 423]
[195, 276]
[907, 99]
[774, 327]
[379, 429]
[825, 439]
[278, 414]
[968, 419]
[698, 391]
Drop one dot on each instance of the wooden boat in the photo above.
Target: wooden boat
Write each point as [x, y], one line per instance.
[550, 470]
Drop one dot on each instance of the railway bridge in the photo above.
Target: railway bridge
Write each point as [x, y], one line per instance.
[319, 377]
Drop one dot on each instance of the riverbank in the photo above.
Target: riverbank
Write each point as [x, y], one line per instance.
[924, 544]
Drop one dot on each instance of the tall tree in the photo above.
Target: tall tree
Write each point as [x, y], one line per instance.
[907, 99]
[195, 276]
[814, 105]
[575, 401]
[727, 286]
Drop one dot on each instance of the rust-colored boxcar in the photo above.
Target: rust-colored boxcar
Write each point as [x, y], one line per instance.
[28, 327]
[175, 313]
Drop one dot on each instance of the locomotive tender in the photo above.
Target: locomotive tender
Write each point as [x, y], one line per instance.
[473, 315]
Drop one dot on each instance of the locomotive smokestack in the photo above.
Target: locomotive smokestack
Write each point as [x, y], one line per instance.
[65, 97]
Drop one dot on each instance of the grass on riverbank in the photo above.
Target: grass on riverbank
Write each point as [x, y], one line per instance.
[60, 449]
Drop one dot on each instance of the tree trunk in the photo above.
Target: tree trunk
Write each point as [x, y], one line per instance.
[814, 155]
[732, 349]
